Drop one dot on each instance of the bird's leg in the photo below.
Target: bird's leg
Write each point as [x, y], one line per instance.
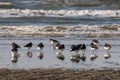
[83, 52]
[28, 50]
[40, 51]
[93, 52]
[107, 51]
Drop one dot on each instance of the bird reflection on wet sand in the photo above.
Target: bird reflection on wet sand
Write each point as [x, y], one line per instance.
[75, 58]
[40, 55]
[60, 56]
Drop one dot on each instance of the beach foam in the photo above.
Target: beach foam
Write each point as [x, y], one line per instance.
[59, 13]
[93, 30]
[48, 30]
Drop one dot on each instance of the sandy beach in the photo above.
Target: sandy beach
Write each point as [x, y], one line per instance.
[59, 74]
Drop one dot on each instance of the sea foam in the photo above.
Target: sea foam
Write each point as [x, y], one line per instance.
[59, 13]
[59, 30]
[93, 30]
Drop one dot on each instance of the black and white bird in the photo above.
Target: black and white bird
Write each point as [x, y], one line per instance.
[107, 47]
[83, 49]
[95, 41]
[40, 47]
[28, 46]
[14, 52]
[75, 56]
[75, 48]
[60, 47]
[93, 48]
[14, 45]
[54, 42]
[15, 49]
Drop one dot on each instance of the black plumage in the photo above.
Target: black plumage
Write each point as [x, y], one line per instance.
[94, 41]
[54, 42]
[29, 45]
[93, 46]
[83, 47]
[107, 46]
[75, 47]
[15, 47]
[60, 46]
[40, 46]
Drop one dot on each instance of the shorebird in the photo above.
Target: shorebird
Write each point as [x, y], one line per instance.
[54, 42]
[28, 46]
[83, 48]
[60, 47]
[14, 45]
[93, 48]
[75, 48]
[14, 52]
[107, 47]
[15, 49]
[75, 57]
[94, 41]
[82, 56]
[40, 47]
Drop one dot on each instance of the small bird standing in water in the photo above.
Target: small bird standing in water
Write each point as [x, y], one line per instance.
[75, 48]
[15, 49]
[93, 48]
[82, 56]
[54, 43]
[107, 47]
[94, 41]
[59, 53]
[14, 52]
[40, 47]
[28, 46]
[60, 47]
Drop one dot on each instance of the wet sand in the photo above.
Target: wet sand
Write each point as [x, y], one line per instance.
[59, 74]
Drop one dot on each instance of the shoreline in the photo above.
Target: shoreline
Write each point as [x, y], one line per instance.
[59, 74]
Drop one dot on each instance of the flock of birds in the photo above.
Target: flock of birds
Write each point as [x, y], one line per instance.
[57, 45]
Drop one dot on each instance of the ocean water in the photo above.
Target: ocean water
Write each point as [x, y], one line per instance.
[70, 21]
[34, 15]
